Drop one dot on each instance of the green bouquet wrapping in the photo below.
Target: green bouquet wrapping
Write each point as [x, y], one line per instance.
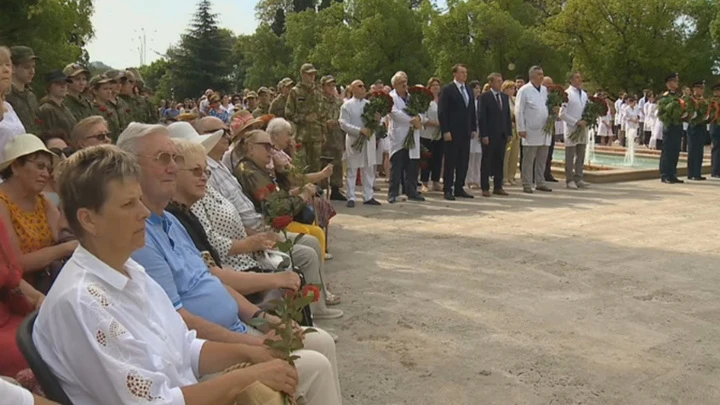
[380, 104]
[701, 109]
[555, 99]
[672, 110]
[595, 108]
[418, 103]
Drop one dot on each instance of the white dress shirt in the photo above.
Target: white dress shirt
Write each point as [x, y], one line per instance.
[111, 339]
[571, 113]
[10, 127]
[351, 122]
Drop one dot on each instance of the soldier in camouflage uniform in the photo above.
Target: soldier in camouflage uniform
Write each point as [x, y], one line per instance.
[303, 108]
[102, 88]
[263, 107]
[21, 97]
[145, 109]
[251, 101]
[75, 101]
[121, 108]
[127, 86]
[277, 107]
[334, 136]
[54, 114]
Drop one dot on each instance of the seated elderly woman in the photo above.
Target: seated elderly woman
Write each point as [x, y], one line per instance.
[56, 143]
[90, 131]
[36, 221]
[106, 311]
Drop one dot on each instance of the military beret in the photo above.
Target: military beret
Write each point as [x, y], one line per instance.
[671, 76]
[251, 94]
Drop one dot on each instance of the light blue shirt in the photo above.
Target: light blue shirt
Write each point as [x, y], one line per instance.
[172, 260]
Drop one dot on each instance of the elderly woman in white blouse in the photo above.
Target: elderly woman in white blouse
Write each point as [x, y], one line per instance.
[10, 125]
[107, 330]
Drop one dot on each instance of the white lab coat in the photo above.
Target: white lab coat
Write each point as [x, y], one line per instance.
[399, 127]
[571, 112]
[650, 114]
[531, 113]
[351, 122]
[618, 111]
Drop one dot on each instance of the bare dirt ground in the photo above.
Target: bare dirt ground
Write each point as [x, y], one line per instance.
[602, 296]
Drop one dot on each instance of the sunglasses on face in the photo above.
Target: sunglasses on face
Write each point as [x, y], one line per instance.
[166, 158]
[60, 152]
[100, 137]
[199, 171]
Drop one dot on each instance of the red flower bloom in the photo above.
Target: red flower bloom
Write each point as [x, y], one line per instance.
[272, 187]
[298, 146]
[262, 194]
[311, 289]
[38, 121]
[103, 108]
[281, 222]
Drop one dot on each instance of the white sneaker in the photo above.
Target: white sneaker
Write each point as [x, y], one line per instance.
[582, 184]
[328, 256]
[572, 186]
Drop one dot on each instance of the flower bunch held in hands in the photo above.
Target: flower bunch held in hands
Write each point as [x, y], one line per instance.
[595, 108]
[278, 212]
[418, 103]
[555, 99]
[379, 105]
[713, 110]
[672, 110]
[701, 109]
[286, 337]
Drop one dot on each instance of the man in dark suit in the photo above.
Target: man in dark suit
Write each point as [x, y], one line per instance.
[495, 127]
[458, 124]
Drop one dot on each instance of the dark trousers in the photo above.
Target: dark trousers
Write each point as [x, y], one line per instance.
[646, 138]
[493, 163]
[403, 170]
[548, 163]
[457, 159]
[435, 167]
[672, 136]
[696, 146]
[715, 135]
[683, 141]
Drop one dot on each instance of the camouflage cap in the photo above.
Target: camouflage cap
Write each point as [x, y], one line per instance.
[114, 74]
[327, 79]
[75, 69]
[286, 82]
[263, 90]
[129, 75]
[99, 79]
[21, 54]
[251, 94]
[308, 68]
[138, 76]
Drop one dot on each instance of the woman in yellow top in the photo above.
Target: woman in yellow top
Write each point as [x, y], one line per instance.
[36, 221]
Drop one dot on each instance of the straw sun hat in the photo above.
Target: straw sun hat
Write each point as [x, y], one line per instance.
[24, 145]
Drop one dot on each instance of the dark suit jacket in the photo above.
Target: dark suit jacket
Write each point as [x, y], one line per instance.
[493, 123]
[454, 116]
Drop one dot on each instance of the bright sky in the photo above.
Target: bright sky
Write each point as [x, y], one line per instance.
[119, 24]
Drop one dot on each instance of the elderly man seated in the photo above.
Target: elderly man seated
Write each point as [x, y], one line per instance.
[108, 331]
[170, 257]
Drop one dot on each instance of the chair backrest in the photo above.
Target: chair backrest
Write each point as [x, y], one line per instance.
[50, 384]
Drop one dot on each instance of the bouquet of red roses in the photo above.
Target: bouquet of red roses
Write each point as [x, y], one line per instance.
[555, 99]
[379, 104]
[673, 110]
[595, 108]
[418, 103]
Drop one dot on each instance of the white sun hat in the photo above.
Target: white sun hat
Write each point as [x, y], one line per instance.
[183, 130]
[23, 145]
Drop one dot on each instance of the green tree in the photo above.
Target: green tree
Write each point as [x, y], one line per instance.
[263, 57]
[202, 59]
[278, 24]
[302, 5]
[57, 30]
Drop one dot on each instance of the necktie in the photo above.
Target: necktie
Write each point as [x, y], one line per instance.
[497, 97]
[580, 94]
[464, 94]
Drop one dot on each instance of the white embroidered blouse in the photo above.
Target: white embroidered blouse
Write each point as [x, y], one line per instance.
[111, 339]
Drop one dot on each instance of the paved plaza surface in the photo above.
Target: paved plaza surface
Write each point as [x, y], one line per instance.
[603, 296]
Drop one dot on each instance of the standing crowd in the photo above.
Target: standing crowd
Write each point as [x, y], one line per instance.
[141, 235]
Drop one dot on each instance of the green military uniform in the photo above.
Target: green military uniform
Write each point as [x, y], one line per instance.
[145, 111]
[55, 115]
[121, 108]
[277, 107]
[334, 137]
[672, 137]
[79, 105]
[24, 102]
[106, 110]
[263, 108]
[303, 108]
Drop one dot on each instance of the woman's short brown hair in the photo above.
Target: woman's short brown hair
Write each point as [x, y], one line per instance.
[84, 177]
[434, 80]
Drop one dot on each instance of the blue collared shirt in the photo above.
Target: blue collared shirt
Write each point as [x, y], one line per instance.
[172, 260]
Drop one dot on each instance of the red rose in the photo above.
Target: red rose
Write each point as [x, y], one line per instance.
[271, 187]
[38, 121]
[298, 146]
[311, 289]
[281, 222]
[103, 108]
[262, 194]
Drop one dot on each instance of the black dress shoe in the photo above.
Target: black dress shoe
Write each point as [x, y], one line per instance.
[716, 176]
[701, 178]
[675, 180]
[464, 194]
[336, 195]
[551, 179]
[351, 204]
[667, 181]
[417, 197]
[372, 201]
[449, 196]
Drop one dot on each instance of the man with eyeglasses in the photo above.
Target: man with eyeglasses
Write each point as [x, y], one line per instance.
[78, 78]
[90, 131]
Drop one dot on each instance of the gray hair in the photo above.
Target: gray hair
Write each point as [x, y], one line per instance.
[534, 69]
[189, 149]
[397, 76]
[129, 138]
[83, 179]
[277, 126]
[5, 54]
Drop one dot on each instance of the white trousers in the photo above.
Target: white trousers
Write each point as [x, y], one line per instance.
[318, 382]
[368, 181]
[474, 166]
